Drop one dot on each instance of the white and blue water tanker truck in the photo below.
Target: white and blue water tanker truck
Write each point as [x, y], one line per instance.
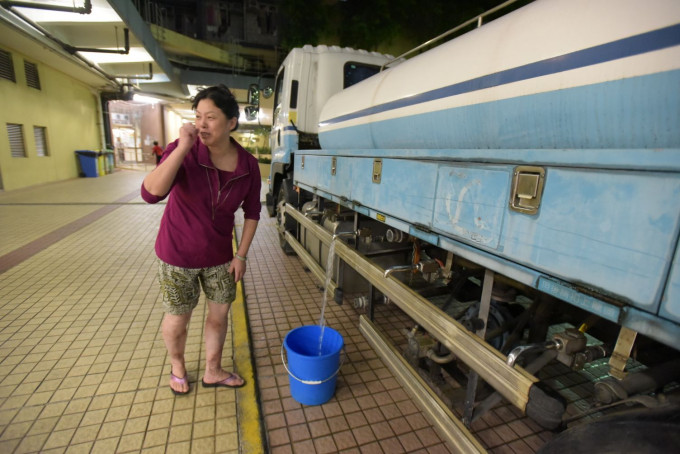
[515, 194]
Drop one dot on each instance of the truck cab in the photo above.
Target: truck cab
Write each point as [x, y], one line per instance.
[307, 78]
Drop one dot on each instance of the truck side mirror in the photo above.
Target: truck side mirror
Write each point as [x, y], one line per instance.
[267, 92]
[254, 95]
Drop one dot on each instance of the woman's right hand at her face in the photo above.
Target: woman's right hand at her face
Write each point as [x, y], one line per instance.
[187, 134]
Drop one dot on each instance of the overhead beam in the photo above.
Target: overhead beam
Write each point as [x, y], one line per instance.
[127, 11]
[208, 77]
[190, 46]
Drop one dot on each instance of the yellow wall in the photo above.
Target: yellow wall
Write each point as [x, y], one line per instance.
[67, 108]
[173, 122]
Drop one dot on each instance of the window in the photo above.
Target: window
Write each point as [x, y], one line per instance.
[15, 133]
[32, 76]
[40, 135]
[293, 94]
[356, 72]
[7, 66]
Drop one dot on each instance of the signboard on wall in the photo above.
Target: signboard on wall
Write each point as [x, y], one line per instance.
[120, 118]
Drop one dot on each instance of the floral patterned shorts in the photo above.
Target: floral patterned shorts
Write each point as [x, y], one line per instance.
[181, 287]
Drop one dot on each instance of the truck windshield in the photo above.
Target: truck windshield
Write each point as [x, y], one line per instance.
[356, 72]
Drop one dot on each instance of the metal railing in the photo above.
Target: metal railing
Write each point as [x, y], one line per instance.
[477, 19]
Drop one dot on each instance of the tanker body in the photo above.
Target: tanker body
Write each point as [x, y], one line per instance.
[515, 192]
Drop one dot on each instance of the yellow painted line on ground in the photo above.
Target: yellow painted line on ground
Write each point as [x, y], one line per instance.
[250, 428]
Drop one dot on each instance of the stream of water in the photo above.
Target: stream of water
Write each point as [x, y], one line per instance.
[329, 274]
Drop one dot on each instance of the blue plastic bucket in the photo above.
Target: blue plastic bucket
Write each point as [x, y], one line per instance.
[311, 375]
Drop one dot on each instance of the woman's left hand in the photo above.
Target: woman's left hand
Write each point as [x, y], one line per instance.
[237, 268]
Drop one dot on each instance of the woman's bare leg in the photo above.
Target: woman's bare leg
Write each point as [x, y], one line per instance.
[216, 325]
[174, 329]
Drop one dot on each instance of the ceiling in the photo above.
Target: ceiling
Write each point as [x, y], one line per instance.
[87, 40]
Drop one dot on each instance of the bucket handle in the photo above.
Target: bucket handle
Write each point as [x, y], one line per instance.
[312, 382]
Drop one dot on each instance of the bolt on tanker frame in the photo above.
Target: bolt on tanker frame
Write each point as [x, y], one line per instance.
[515, 192]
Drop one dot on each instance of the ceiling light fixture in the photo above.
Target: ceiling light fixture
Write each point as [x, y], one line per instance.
[145, 99]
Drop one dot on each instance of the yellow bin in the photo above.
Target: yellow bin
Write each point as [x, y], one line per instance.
[101, 163]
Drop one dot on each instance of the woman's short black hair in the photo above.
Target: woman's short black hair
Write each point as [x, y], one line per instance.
[222, 97]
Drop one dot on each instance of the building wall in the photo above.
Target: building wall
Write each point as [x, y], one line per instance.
[68, 109]
[172, 122]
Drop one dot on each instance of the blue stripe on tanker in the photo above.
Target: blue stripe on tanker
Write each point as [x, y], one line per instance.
[623, 114]
[626, 47]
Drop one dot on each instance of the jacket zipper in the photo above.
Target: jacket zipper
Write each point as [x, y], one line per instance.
[219, 190]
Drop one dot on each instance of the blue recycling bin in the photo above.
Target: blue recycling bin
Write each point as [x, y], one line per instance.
[88, 163]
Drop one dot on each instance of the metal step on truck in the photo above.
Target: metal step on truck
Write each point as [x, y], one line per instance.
[513, 194]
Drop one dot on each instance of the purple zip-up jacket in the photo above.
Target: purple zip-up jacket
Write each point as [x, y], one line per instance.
[198, 221]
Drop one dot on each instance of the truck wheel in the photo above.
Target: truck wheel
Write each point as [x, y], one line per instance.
[640, 437]
[285, 223]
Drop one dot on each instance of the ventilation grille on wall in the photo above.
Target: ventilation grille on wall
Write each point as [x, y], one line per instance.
[40, 135]
[32, 76]
[7, 66]
[15, 133]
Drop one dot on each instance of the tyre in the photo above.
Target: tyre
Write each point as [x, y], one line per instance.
[645, 431]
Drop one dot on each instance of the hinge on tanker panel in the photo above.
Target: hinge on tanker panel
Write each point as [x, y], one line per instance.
[422, 227]
[302, 163]
[377, 170]
[527, 189]
[334, 165]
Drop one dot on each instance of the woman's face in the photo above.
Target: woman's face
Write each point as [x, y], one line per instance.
[212, 124]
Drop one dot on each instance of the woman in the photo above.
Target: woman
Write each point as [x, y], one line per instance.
[208, 176]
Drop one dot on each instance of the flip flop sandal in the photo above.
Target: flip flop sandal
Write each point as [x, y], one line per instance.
[224, 383]
[181, 381]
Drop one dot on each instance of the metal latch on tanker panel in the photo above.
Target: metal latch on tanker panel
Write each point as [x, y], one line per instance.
[377, 170]
[527, 189]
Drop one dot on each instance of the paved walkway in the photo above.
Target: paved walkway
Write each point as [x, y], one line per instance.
[83, 367]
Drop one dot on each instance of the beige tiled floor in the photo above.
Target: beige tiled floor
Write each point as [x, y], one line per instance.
[83, 366]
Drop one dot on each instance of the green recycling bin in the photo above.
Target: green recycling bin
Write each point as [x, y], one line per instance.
[108, 161]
